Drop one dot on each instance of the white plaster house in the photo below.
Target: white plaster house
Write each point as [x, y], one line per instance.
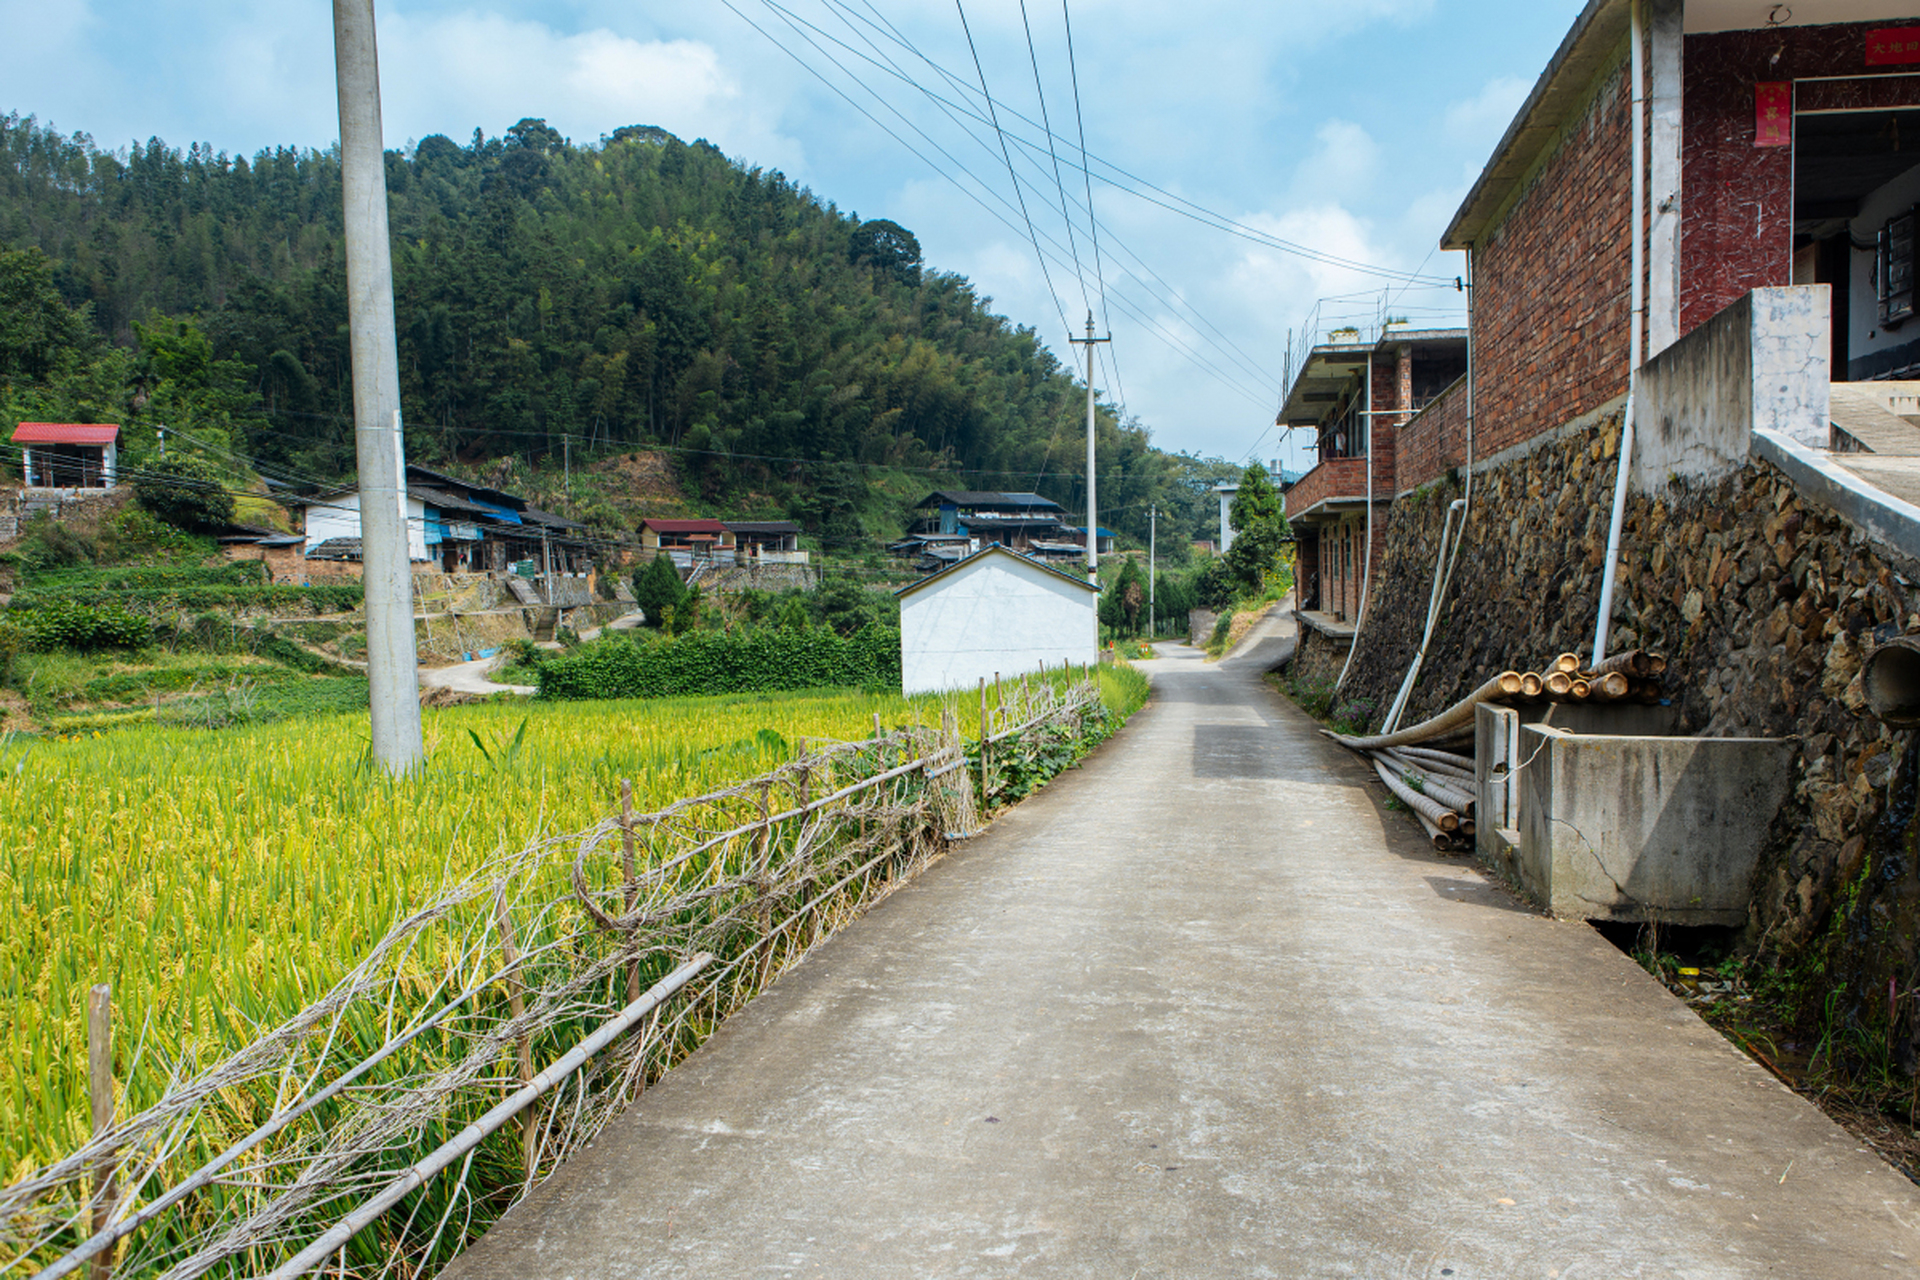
[995, 611]
[338, 516]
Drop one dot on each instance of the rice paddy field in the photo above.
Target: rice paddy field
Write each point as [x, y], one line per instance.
[221, 880]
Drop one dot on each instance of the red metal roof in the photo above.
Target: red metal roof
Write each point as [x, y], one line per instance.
[684, 526]
[65, 433]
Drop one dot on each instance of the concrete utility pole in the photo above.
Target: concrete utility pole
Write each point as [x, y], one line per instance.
[1093, 506]
[387, 574]
[1153, 548]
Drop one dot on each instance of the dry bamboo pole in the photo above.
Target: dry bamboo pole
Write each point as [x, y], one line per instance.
[1433, 786]
[517, 1006]
[1531, 686]
[630, 881]
[1445, 759]
[876, 726]
[986, 748]
[1558, 684]
[1607, 686]
[1582, 689]
[471, 1136]
[1656, 665]
[1442, 842]
[1510, 683]
[1454, 719]
[1437, 813]
[100, 1087]
[1631, 662]
[1567, 662]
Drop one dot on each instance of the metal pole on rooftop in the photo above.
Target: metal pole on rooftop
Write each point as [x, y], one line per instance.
[392, 660]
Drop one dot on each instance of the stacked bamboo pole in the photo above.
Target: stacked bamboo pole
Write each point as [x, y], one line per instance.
[1439, 785]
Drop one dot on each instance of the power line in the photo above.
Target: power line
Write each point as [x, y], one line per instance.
[1093, 223]
[1040, 92]
[993, 116]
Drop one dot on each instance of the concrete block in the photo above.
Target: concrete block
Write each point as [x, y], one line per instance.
[1624, 827]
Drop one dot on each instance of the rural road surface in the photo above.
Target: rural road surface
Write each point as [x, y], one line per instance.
[1203, 1008]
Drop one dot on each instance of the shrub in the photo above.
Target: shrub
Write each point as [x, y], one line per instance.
[184, 491]
[706, 662]
[64, 624]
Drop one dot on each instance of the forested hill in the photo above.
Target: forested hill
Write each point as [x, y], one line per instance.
[638, 291]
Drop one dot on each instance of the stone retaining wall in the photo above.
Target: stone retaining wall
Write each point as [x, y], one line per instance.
[1764, 603]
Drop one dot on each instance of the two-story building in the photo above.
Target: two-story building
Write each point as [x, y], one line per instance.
[1357, 396]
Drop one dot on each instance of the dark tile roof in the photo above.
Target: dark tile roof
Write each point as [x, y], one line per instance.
[761, 526]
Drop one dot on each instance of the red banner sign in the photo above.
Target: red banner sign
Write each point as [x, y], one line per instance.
[1891, 46]
[1773, 113]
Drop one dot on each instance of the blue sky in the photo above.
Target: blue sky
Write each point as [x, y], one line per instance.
[1353, 128]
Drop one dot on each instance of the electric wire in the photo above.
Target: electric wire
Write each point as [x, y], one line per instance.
[993, 116]
[1039, 91]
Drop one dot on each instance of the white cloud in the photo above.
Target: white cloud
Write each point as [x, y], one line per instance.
[1481, 119]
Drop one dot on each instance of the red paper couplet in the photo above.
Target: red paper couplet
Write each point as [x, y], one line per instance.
[1773, 113]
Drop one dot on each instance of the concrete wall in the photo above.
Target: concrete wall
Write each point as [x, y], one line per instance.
[1648, 829]
[1763, 361]
[995, 613]
[340, 518]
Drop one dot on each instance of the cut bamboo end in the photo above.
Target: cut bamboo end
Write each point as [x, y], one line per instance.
[1613, 684]
[1568, 662]
[1558, 683]
[1531, 686]
[1509, 682]
[1582, 689]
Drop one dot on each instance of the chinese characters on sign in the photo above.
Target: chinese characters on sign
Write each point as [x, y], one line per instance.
[1773, 113]
[1892, 46]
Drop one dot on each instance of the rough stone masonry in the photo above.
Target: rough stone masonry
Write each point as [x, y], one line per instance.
[1764, 603]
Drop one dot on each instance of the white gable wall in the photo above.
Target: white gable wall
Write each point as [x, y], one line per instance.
[339, 517]
[995, 614]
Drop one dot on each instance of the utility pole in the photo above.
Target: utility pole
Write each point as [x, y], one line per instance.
[1153, 548]
[566, 453]
[1093, 506]
[379, 449]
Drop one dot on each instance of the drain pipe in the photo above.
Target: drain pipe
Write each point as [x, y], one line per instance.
[1366, 564]
[1635, 307]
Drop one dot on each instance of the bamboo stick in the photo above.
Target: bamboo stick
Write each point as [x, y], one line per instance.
[1454, 719]
[100, 1088]
[1442, 842]
[517, 1006]
[1558, 684]
[1630, 662]
[1437, 813]
[1609, 686]
[1446, 759]
[1509, 682]
[1435, 788]
[630, 881]
[1567, 662]
[1531, 685]
[1582, 689]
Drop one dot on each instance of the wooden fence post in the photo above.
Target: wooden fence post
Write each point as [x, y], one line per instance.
[632, 884]
[100, 1082]
[517, 1005]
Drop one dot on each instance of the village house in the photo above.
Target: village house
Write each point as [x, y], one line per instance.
[766, 541]
[994, 613]
[1354, 396]
[68, 455]
[453, 525]
[958, 522]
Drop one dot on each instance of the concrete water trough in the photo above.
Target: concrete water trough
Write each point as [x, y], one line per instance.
[1605, 812]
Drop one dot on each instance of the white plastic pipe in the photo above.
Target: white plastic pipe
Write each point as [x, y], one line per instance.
[1636, 306]
[1441, 572]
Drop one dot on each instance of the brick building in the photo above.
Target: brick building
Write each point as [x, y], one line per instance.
[1773, 159]
[1395, 377]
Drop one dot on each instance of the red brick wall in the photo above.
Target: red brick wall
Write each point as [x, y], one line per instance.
[1550, 298]
[1736, 205]
[1334, 478]
[1433, 443]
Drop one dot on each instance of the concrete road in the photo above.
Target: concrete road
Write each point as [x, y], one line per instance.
[1203, 1008]
[471, 677]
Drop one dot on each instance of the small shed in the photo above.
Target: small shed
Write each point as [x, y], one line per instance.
[996, 611]
[68, 455]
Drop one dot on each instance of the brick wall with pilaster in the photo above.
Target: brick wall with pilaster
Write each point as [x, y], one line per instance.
[1550, 286]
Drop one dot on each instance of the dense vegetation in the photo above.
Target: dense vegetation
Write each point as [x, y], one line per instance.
[638, 291]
